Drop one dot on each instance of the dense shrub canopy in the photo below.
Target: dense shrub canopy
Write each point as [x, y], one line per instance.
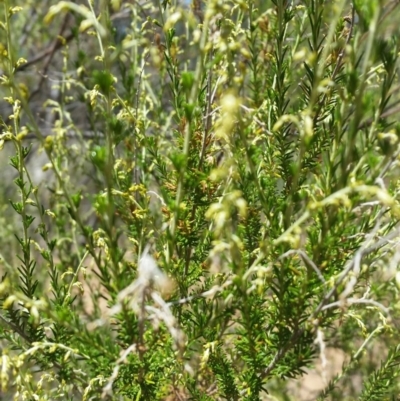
[200, 199]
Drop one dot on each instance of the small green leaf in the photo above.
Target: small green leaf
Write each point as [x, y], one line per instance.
[98, 155]
[189, 109]
[104, 80]
[76, 199]
[17, 206]
[187, 80]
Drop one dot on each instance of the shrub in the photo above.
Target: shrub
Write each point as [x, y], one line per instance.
[204, 198]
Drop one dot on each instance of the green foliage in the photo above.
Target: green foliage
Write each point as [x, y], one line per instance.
[201, 199]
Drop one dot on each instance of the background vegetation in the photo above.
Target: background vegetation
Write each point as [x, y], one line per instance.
[199, 199]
